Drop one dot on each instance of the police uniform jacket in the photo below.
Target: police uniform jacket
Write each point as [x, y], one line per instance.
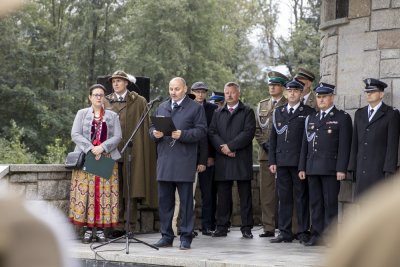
[237, 131]
[287, 135]
[177, 161]
[264, 112]
[326, 143]
[374, 145]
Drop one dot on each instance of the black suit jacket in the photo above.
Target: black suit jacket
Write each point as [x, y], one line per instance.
[374, 145]
[328, 151]
[284, 148]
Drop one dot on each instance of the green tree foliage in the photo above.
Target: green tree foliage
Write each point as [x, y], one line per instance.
[52, 50]
[12, 150]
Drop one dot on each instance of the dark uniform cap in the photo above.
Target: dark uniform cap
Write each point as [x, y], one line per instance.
[217, 96]
[120, 74]
[275, 77]
[374, 85]
[306, 74]
[324, 89]
[199, 85]
[295, 84]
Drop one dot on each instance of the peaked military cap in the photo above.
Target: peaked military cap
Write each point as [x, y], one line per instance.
[306, 74]
[324, 89]
[217, 96]
[295, 84]
[275, 77]
[120, 74]
[199, 85]
[374, 85]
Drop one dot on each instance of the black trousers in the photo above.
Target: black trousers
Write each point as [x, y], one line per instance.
[288, 181]
[324, 191]
[166, 202]
[224, 204]
[208, 190]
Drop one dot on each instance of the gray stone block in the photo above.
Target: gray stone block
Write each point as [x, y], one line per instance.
[330, 46]
[23, 177]
[390, 68]
[328, 65]
[385, 19]
[48, 190]
[351, 102]
[63, 189]
[38, 168]
[52, 175]
[369, 67]
[356, 26]
[370, 40]
[379, 4]
[395, 3]
[31, 192]
[330, 78]
[396, 93]
[147, 221]
[339, 101]
[389, 39]
[390, 53]
[360, 8]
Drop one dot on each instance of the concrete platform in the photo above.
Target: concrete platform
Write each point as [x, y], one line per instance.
[209, 252]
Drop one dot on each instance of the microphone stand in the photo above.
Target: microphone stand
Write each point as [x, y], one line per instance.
[128, 234]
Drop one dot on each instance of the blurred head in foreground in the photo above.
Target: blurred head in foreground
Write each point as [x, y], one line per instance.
[370, 235]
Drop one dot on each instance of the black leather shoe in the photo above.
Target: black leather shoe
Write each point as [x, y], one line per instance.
[163, 243]
[267, 234]
[194, 234]
[207, 232]
[247, 234]
[280, 239]
[303, 238]
[314, 241]
[100, 237]
[219, 233]
[185, 245]
[87, 237]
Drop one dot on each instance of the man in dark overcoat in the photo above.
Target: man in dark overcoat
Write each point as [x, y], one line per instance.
[205, 166]
[177, 161]
[284, 153]
[130, 106]
[375, 139]
[324, 159]
[231, 133]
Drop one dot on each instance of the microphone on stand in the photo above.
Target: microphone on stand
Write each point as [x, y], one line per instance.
[157, 99]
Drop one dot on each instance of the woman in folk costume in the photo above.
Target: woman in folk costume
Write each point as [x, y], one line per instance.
[94, 200]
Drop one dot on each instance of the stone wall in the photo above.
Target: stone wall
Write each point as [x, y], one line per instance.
[49, 184]
[366, 44]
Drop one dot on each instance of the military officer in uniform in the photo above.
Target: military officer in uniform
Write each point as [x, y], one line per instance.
[284, 152]
[375, 138]
[276, 85]
[324, 159]
[307, 77]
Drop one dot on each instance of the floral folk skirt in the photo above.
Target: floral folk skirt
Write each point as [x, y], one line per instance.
[94, 200]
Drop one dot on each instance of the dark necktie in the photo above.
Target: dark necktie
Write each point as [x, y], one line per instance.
[370, 113]
[274, 103]
[303, 100]
[323, 115]
[121, 99]
[290, 111]
[175, 105]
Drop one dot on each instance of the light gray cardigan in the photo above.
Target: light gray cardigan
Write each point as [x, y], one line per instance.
[82, 126]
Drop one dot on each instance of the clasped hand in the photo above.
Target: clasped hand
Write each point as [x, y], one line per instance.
[97, 150]
[226, 151]
[175, 134]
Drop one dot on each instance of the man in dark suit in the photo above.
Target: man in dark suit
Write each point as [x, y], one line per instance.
[231, 133]
[375, 138]
[205, 168]
[324, 159]
[177, 161]
[284, 152]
